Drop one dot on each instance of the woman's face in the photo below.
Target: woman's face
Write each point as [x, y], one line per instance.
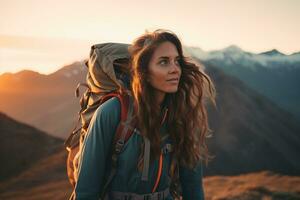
[164, 69]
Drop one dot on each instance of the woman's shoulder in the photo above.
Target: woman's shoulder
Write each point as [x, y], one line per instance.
[110, 109]
[110, 105]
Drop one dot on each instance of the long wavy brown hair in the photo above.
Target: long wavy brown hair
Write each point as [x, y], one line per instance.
[187, 116]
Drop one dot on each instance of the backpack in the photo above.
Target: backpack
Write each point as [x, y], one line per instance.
[107, 77]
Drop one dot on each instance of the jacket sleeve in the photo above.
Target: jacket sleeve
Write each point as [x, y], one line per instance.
[96, 146]
[191, 182]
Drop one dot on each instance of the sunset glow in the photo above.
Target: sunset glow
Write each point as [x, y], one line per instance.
[45, 35]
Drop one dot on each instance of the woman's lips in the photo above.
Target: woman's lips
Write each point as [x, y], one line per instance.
[173, 80]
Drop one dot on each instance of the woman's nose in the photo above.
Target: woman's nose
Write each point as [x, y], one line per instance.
[175, 68]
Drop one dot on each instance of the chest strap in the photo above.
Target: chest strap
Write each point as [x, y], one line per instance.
[167, 148]
[133, 196]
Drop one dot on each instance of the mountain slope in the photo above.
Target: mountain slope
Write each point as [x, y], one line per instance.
[271, 73]
[44, 101]
[251, 133]
[21, 146]
[50, 183]
[46, 179]
[260, 185]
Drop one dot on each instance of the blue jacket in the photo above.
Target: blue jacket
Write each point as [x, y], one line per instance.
[95, 162]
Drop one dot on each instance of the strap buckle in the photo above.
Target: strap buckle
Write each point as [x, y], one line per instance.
[119, 146]
[167, 148]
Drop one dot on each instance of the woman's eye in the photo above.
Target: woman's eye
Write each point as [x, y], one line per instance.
[177, 62]
[163, 62]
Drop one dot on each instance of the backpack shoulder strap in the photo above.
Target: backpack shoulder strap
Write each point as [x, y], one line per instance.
[124, 131]
[127, 118]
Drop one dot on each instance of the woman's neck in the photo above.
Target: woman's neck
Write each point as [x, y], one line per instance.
[160, 96]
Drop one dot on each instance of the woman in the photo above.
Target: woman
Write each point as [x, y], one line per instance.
[168, 94]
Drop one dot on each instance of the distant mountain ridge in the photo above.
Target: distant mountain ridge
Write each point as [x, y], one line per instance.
[234, 54]
[271, 73]
[44, 101]
[273, 52]
[25, 72]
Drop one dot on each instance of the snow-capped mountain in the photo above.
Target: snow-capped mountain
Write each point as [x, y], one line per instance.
[273, 52]
[271, 73]
[234, 54]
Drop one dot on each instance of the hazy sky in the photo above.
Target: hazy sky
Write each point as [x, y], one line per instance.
[44, 35]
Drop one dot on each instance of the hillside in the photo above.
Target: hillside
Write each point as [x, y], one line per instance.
[252, 186]
[22, 145]
[47, 179]
[43, 101]
[272, 73]
[36, 184]
[251, 133]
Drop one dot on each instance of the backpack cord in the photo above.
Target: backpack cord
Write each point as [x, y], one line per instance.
[83, 105]
[159, 172]
[160, 165]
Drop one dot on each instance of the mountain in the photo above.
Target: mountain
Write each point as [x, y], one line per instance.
[32, 163]
[46, 177]
[296, 53]
[273, 52]
[271, 73]
[251, 133]
[232, 49]
[234, 54]
[260, 185]
[246, 119]
[22, 145]
[43, 101]
[48, 102]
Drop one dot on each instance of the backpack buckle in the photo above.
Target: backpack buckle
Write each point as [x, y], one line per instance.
[168, 148]
[119, 146]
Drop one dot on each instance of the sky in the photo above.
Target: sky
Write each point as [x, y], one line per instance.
[44, 35]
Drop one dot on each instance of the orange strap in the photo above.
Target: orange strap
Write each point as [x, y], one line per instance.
[160, 158]
[159, 172]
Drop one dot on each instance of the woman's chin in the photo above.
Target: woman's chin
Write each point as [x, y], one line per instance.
[172, 90]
